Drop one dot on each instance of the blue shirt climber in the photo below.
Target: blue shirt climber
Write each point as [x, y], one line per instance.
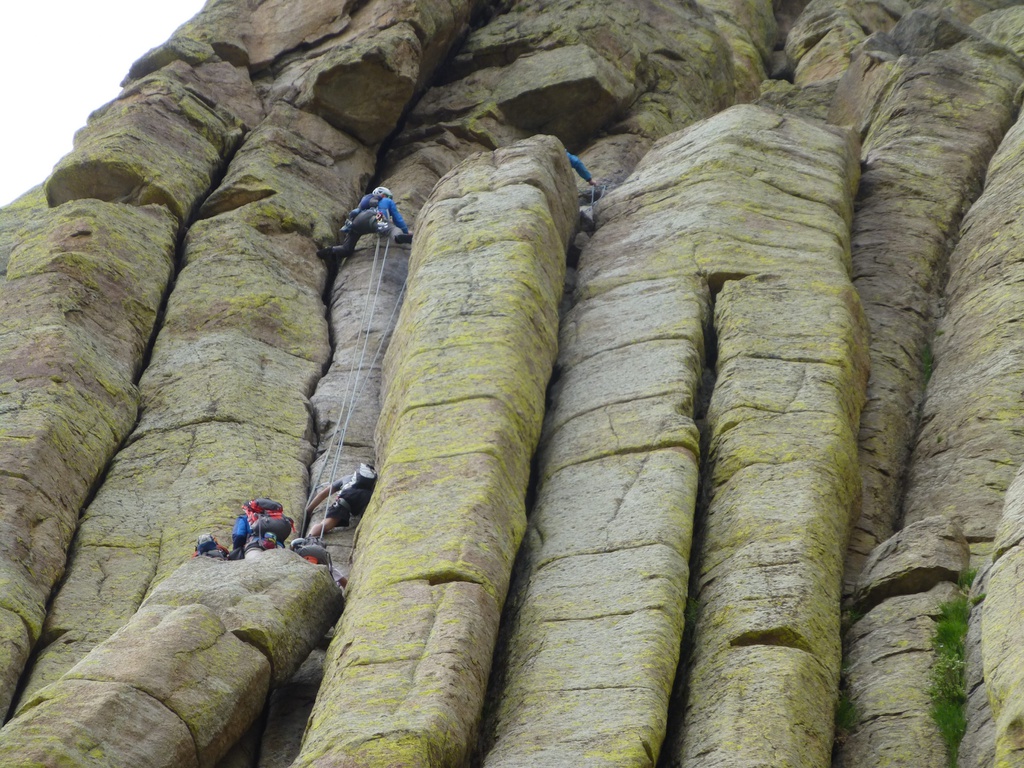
[580, 168]
[365, 220]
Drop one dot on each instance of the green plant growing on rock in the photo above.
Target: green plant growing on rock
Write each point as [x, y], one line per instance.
[846, 717]
[849, 617]
[948, 689]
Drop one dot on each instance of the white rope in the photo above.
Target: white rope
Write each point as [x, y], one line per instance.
[350, 382]
[357, 379]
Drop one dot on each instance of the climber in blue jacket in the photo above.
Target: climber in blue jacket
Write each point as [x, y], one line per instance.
[375, 214]
[580, 168]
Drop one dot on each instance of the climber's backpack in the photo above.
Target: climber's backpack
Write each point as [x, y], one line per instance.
[267, 516]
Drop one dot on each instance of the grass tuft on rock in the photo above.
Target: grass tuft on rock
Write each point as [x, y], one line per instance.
[847, 717]
[948, 688]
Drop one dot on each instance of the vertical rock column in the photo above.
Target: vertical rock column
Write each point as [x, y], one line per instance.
[464, 395]
[890, 649]
[593, 637]
[225, 410]
[749, 28]
[1002, 627]
[925, 156]
[972, 435]
[773, 231]
[76, 314]
[97, 273]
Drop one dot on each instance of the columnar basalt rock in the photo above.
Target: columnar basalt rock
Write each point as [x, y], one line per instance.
[77, 311]
[244, 329]
[749, 28]
[890, 650]
[824, 37]
[889, 660]
[713, 291]
[279, 604]
[970, 439]
[186, 676]
[362, 80]
[635, 70]
[914, 560]
[464, 390]
[1002, 626]
[925, 156]
[1005, 27]
[365, 300]
[162, 141]
[791, 368]
[978, 746]
[603, 570]
[17, 221]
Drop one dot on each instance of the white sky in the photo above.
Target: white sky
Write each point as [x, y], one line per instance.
[60, 60]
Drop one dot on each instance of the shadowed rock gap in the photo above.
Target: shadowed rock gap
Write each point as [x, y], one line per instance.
[709, 375]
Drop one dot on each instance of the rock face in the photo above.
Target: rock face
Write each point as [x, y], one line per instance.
[243, 327]
[889, 657]
[186, 676]
[1001, 627]
[921, 555]
[715, 474]
[459, 421]
[636, 70]
[969, 445]
[890, 650]
[161, 141]
[909, 210]
[789, 361]
[84, 284]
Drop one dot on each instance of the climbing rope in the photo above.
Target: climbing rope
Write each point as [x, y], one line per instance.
[356, 380]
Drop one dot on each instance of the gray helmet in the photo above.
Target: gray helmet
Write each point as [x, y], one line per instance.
[382, 192]
[367, 471]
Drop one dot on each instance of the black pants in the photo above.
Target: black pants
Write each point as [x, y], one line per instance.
[363, 224]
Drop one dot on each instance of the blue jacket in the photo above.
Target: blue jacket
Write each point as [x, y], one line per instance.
[388, 207]
[578, 166]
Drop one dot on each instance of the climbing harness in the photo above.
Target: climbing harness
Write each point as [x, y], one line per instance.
[357, 378]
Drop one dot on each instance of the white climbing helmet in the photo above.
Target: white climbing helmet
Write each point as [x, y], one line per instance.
[367, 471]
[382, 192]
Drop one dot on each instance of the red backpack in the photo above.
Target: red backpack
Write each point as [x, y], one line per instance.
[267, 516]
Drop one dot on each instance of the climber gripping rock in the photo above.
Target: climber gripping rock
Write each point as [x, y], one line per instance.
[376, 214]
[580, 168]
[353, 494]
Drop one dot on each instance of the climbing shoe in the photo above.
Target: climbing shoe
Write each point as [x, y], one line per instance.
[403, 239]
[334, 251]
